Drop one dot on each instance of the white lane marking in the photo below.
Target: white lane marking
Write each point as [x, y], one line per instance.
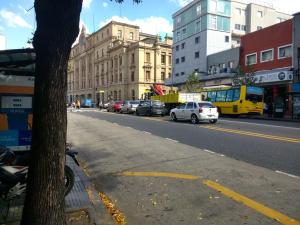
[259, 124]
[222, 155]
[171, 139]
[288, 174]
[209, 151]
[129, 127]
[146, 132]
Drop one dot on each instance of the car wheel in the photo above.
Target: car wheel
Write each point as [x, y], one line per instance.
[213, 121]
[194, 119]
[173, 117]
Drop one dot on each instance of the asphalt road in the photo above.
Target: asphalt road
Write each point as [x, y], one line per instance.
[150, 171]
[271, 144]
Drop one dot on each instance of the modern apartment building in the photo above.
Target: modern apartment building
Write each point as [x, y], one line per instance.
[204, 27]
[249, 16]
[200, 28]
[118, 62]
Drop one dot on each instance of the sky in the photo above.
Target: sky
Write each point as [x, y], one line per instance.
[17, 17]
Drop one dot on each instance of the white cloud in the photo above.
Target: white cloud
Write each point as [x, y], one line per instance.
[150, 25]
[181, 2]
[86, 3]
[13, 20]
[287, 6]
[104, 4]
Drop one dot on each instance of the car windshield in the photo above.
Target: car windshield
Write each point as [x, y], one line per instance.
[118, 102]
[206, 105]
[157, 103]
[134, 102]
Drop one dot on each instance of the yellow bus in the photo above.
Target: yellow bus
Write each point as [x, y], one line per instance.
[240, 100]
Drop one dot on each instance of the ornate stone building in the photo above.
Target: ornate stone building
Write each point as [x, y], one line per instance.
[118, 62]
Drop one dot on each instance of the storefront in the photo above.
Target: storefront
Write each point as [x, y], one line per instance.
[277, 86]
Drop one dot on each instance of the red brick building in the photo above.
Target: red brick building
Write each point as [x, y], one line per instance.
[268, 53]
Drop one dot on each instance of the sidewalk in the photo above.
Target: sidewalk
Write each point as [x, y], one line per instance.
[83, 205]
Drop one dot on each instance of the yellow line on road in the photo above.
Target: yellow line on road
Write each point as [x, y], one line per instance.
[281, 218]
[271, 213]
[159, 174]
[253, 134]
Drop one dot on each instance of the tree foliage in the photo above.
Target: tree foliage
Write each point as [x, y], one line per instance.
[193, 84]
[244, 78]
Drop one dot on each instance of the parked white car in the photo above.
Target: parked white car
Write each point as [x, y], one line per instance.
[129, 106]
[195, 112]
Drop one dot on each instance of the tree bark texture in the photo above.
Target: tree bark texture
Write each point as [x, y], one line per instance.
[57, 29]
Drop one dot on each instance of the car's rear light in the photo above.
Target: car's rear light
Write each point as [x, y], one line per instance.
[200, 110]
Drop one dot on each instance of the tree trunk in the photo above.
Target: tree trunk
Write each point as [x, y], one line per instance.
[57, 29]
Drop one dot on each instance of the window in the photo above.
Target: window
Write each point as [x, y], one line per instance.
[182, 45]
[236, 94]
[266, 55]
[213, 22]
[170, 60]
[284, 52]
[148, 57]
[132, 76]
[227, 38]
[211, 96]
[132, 94]
[177, 47]
[177, 61]
[190, 105]
[119, 34]
[237, 26]
[120, 60]
[243, 12]
[178, 34]
[132, 58]
[131, 35]
[213, 5]
[196, 40]
[230, 64]
[243, 27]
[183, 59]
[148, 75]
[177, 74]
[259, 14]
[196, 55]
[120, 77]
[250, 59]
[182, 73]
[102, 51]
[259, 27]
[183, 31]
[178, 20]
[198, 9]
[198, 25]
[181, 106]
[163, 59]
[229, 96]
[238, 11]
[120, 95]
[163, 75]
[221, 96]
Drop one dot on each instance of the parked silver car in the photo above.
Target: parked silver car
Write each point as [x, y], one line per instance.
[129, 106]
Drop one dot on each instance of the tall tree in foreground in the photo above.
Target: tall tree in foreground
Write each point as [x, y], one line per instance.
[57, 28]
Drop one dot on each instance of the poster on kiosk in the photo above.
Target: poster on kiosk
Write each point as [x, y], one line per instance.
[16, 94]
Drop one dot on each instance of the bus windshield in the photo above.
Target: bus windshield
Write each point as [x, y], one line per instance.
[254, 94]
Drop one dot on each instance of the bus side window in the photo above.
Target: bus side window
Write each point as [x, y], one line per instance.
[221, 96]
[212, 96]
[236, 95]
[229, 95]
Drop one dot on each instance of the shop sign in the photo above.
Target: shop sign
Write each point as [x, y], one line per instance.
[274, 77]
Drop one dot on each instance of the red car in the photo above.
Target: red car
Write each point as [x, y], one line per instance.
[115, 106]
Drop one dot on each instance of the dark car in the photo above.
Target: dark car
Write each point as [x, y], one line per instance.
[150, 108]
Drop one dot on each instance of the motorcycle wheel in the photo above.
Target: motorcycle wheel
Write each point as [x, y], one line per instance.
[69, 179]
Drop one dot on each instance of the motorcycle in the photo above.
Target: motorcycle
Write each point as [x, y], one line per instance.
[13, 177]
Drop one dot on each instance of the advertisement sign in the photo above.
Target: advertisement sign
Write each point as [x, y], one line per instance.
[16, 102]
[274, 77]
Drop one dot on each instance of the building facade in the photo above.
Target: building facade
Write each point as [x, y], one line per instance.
[268, 53]
[118, 62]
[205, 27]
[247, 17]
